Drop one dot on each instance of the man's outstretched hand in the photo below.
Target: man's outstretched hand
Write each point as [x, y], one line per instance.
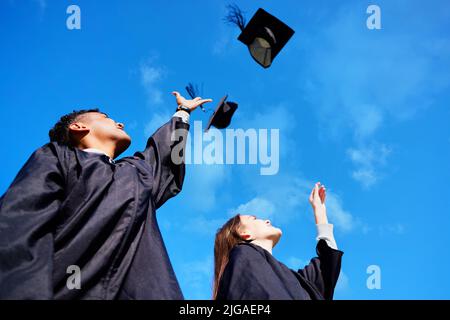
[191, 104]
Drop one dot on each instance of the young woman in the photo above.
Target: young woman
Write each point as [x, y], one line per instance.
[244, 268]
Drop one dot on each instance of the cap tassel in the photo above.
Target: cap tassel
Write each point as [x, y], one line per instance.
[193, 92]
[235, 16]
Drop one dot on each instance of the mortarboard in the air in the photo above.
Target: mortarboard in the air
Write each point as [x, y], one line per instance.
[221, 117]
[264, 35]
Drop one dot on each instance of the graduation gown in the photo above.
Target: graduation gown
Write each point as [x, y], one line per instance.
[252, 273]
[67, 207]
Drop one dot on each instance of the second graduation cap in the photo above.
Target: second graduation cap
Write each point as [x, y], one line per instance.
[221, 117]
[264, 35]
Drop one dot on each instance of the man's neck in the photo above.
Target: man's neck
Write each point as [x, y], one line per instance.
[94, 150]
[97, 148]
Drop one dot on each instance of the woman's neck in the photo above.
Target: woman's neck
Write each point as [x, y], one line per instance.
[265, 244]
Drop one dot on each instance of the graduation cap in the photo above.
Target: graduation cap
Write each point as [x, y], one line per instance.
[221, 117]
[264, 35]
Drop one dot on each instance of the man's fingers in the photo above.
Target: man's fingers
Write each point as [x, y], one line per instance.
[198, 98]
[200, 102]
[205, 101]
[176, 93]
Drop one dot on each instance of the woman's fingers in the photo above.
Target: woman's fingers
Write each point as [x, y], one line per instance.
[316, 189]
[322, 194]
[318, 194]
[176, 94]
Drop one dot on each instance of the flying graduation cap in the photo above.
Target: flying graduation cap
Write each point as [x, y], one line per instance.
[221, 118]
[264, 35]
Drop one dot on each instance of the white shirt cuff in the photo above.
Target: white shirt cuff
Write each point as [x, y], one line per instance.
[325, 232]
[183, 115]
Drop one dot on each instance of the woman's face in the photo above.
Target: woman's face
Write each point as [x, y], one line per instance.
[252, 228]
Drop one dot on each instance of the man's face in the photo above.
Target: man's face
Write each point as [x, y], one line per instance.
[105, 129]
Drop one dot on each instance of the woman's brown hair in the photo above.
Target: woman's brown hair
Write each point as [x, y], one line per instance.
[227, 238]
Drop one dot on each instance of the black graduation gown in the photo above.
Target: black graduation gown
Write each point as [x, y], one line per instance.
[70, 207]
[252, 273]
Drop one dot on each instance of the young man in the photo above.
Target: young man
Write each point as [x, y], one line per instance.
[73, 213]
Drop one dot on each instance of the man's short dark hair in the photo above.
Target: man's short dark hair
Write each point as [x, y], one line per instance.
[60, 132]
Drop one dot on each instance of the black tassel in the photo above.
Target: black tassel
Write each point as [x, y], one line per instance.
[193, 92]
[235, 16]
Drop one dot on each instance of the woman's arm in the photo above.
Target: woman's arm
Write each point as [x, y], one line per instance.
[323, 270]
[317, 200]
[324, 229]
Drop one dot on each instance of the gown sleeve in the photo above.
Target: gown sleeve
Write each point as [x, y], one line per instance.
[168, 175]
[248, 276]
[27, 211]
[323, 270]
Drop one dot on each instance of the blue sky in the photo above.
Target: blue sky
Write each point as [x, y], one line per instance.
[366, 112]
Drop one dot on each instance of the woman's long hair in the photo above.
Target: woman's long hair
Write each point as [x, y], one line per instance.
[227, 238]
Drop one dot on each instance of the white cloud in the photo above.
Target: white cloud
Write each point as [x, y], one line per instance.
[42, 4]
[393, 229]
[342, 284]
[367, 161]
[296, 263]
[278, 199]
[203, 226]
[367, 156]
[202, 185]
[279, 202]
[198, 276]
[225, 35]
[157, 120]
[366, 120]
[222, 44]
[387, 75]
[341, 218]
[282, 199]
[278, 116]
[260, 207]
[359, 81]
[367, 177]
[151, 75]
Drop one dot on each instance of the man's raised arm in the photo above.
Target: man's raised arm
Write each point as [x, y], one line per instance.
[165, 150]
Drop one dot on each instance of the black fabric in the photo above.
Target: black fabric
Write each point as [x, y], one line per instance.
[252, 273]
[270, 28]
[69, 207]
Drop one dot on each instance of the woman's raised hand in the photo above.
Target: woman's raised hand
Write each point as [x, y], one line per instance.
[317, 200]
